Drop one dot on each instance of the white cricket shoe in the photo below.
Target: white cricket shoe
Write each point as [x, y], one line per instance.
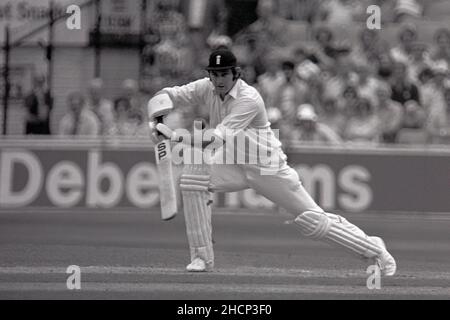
[385, 260]
[197, 265]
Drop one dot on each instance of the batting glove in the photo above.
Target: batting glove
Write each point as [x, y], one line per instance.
[167, 132]
[160, 132]
[155, 135]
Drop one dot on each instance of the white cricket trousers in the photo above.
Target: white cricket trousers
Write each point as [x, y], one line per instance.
[284, 188]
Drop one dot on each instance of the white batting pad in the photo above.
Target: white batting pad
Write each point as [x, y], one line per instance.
[197, 212]
[338, 231]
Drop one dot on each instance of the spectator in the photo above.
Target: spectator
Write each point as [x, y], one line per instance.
[301, 10]
[442, 134]
[80, 120]
[251, 52]
[405, 10]
[407, 37]
[441, 75]
[167, 23]
[173, 52]
[334, 79]
[302, 54]
[342, 12]
[121, 124]
[204, 17]
[167, 59]
[349, 101]
[168, 54]
[248, 74]
[390, 115]
[384, 64]
[419, 60]
[307, 128]
[270, 81]
[127, 122]
[367, 85]
[275, 117]
[140, 124]
[414, 115]
[325, 49]
[130, 89]
[269, 28]
[403, 89]
[98, 104]
[433, 102]
[38, 105]
[218, 41]
[332, 117]
[441, 52]
[173, 60]
[291, 93]
[368, 49]
[363, 125]
[309, 75]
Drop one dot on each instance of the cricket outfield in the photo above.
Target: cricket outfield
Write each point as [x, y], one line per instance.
[137, 256]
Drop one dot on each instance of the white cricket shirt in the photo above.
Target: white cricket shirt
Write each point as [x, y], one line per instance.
[242, 111]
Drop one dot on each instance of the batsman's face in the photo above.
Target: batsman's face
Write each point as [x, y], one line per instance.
[222, 80]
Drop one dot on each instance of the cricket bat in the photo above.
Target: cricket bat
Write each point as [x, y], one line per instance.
[157, 108]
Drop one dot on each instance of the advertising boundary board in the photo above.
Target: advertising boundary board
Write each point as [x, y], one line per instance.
[120, 175]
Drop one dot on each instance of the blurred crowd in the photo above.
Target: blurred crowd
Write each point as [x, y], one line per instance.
[89, 114]
[324, 90]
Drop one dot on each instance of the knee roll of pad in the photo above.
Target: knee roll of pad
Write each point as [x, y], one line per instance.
[190, 182]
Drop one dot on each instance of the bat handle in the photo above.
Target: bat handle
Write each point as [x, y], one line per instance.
[159, 119]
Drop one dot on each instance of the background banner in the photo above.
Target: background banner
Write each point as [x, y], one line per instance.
[81, 175]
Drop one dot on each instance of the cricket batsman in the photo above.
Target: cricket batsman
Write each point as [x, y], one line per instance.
[237, 108]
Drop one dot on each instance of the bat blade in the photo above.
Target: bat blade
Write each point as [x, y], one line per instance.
[167, 188]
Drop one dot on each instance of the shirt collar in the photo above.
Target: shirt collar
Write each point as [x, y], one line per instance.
[234, 91]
